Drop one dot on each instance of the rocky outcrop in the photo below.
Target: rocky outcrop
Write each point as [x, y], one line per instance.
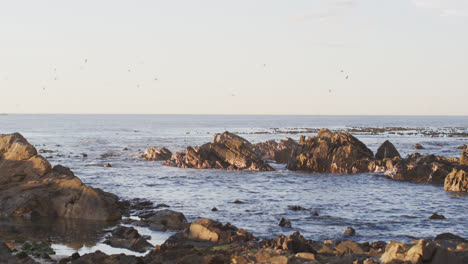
[166, 219]
[205, 229]
[129, 238]
[387, 150]
[418, 146]
[464, 156]
[6, 256]
[30, 187]
[226, 151]
[157, 154]
[100, 257]
[457, 180]
[331, 152]
[279, 152]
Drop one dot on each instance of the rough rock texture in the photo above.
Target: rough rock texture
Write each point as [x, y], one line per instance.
[226, 151]
[422, 169]
[157, 154]
[331, 152]
[102, 258]
[418, 146]
[30, 187]
[129, 238]
[457, 180]
[166, 219]
[279, 152]
[464, 156]
[387, 150]
[205, 229]
[6, 256]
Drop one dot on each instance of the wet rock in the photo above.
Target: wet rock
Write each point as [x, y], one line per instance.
[449, 236]
[226, 151]
[108, 155]
[457, 180]
[285, 223]
[295, 243]
[387, 150]
[462, 146]
[349, 231]
[100, 257]
[238, 202]
[205, 229]
[296, 208]
[436, 216]
[214, 209]
[125, 149]
[167, 219]
[279, 152]
[157, 154]
[464, 157]
[107, 165]
[129, 238]
[418, 146]
[29, 187]
[331, 152]
[6, 256]
[349, 247]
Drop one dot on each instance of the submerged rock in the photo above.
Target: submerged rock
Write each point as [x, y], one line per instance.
[129, 238]
[157, 154]
[338, 152]
[226, 151]
[457, 180]
[30, 187]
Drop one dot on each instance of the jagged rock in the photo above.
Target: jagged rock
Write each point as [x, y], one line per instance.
[349, 231]
[349, 247]
[436, 216]
[464, 156]
[457, 180]
[6, 256]
[226, 151]
[285, 223]
[129, 238]
[205, 229]
[167, 219]
[100, 257]
[29, 187]
[418, 146]
[331, 152]
[279, 152]
[155, 154]
[387, 150]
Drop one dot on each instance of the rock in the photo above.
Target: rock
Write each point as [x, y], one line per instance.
[155, 154]
[296, 208]
[107, 165]
[331, 152]
[167, 219]
[449, 236]
[205, 229]
[226, 151]
[462, 146]
[418, 146]
[285, 223]
[102, 258]
[457, 180]
[214, 209]
[29, 187]
[238, 202]
[129, 238]
[387, 150]
[7, 257]
[264, 256]
[436, 216]
[279, 152]
[349, 247]
[349, 231]
[464, 156]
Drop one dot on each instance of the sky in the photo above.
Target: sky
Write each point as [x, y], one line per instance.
[307, 57]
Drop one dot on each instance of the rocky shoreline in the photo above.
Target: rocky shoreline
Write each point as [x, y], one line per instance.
[32, 189]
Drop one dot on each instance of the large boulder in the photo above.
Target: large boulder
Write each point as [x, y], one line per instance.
[457, 180]
[205, 229]
[338, 152]
[166, 219]
[464, 156]
[157, 154]
[279, 152]
[226, 151]
[129, 238]
[387, 150]
[30, 187]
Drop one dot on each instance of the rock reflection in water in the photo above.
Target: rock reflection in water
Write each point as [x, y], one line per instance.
[73, 233]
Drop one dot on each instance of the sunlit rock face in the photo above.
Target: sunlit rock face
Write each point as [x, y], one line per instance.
[30, 187]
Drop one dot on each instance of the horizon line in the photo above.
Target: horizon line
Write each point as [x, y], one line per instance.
[173, 114]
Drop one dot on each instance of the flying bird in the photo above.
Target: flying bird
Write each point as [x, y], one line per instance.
[86, 60]
[347, 77]
[329, 90]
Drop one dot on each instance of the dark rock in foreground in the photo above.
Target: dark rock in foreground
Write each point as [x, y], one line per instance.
[30, 187]
[157, 154]
[226, 151]
[331, 152]
[129, 238]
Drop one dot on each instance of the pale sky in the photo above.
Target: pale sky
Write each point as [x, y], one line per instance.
[402, 57]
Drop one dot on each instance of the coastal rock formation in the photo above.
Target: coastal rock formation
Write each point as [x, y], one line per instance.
[418, 146]
[279, 152]
[129, 238]
[457, 180]
[338, 152]
[205, 229]
[157, 154]
[226, 151]
[166, 219]
[464, 156]
[30, 187]
[6, 256]
[387, 150]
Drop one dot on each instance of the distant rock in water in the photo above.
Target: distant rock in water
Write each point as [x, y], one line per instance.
[338, 152]
[457, 180]
[155, 154]
[464, 156]
[285, 223]
[418, 146]
[387, 150]
[349, 231]
[462, 146]
[279, 152]
[30, 187]
[436, 216]
[226, 151]
[129, 238]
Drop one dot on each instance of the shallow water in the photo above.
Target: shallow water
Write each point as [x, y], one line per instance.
[378, 208]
